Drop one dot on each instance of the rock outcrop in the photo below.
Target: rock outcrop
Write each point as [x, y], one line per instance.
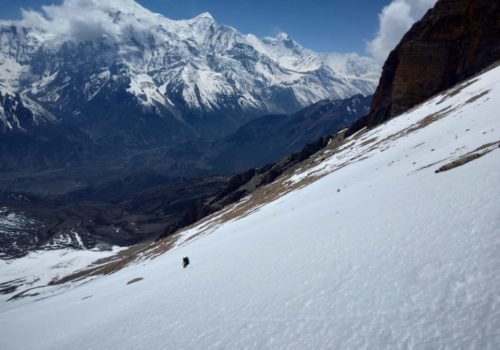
[454, 41]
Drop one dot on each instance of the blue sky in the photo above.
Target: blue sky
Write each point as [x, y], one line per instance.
[322, 25]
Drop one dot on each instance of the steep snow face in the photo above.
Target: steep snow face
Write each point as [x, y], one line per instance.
[390, 241]
[71, 53]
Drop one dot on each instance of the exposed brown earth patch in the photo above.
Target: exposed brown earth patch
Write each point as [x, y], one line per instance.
[135, 280]
[457, 89]
[477, 97]
[469, 157]
[24, 294]
[367, 142]
[10, 286]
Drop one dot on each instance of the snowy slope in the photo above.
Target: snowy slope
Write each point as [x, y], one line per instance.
[39, 268]
[69, 55]
[364, 247]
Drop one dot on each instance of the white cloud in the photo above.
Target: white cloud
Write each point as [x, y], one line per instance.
[395, 20]
[82, 20]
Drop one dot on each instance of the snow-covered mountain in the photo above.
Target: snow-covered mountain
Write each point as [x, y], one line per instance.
[387, 239]
[84, 60]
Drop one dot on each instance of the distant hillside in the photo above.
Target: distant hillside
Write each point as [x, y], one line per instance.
[269, 138]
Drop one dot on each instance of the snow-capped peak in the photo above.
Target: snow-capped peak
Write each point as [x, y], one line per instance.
[205, 16]
[282, 36]
[285, 41]
[177, 65]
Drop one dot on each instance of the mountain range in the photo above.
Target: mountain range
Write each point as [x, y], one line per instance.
[122, 80]
[384, 234]
[387, 239]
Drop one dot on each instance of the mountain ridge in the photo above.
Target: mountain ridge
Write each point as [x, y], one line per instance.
[112, 86]
[175, 68]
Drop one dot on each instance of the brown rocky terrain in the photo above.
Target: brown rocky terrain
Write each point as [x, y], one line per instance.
[452, 42]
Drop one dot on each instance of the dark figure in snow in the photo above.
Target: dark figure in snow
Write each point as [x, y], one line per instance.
[185, 262]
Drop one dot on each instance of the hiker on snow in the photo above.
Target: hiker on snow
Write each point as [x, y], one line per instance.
[185, 262]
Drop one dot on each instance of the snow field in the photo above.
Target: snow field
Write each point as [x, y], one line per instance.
[400, 258]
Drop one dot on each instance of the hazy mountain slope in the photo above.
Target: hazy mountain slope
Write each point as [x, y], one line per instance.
[387, 241]
[268, 138]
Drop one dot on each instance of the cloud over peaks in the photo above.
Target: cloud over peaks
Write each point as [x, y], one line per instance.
[83, 20]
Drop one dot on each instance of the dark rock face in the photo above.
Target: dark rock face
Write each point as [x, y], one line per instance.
[16, 115]
[453, 41]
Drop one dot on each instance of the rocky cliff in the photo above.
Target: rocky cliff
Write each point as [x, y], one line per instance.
[453, 41]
